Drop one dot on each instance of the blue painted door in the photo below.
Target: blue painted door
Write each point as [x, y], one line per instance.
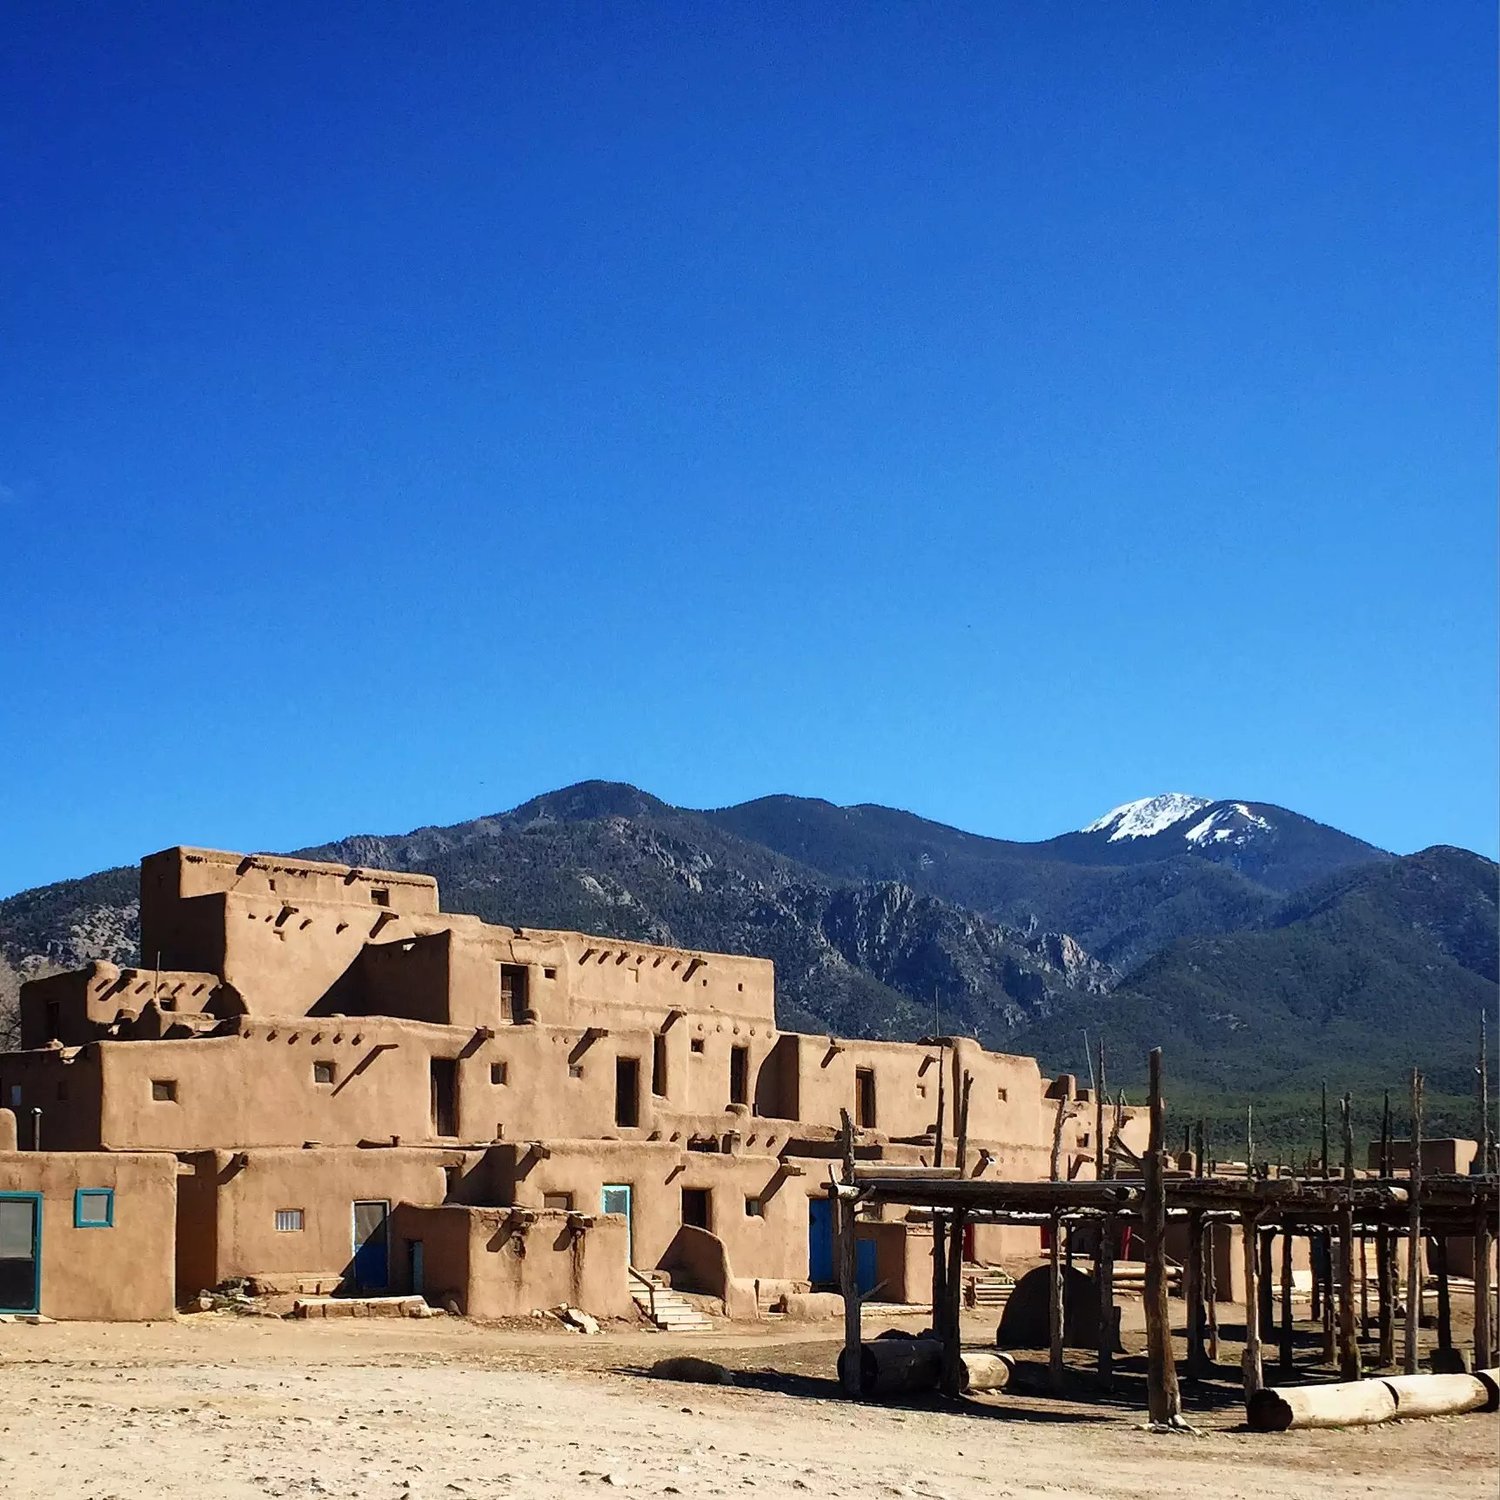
[820, 1242]
[614, 1198]
[372, 1252]
[20, 1252]
[864, 1265]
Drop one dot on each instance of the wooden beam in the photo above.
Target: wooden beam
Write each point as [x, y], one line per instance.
[1484, 1242]
[1286, 1359]
[848, 1279]
[1163, 1397]
[951, 1327]
[1414, 1233]
[1385, 1255]
[1251, 1361]
[1349, 1367]
[1104, 1259]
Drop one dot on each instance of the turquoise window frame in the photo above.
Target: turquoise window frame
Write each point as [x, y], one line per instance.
[82, 1197]
[36, 1250]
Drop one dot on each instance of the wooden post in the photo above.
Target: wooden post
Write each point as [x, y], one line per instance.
[1385, 1254]
[1486, 1124]
[1414, 1232]
[1254, 1374]
[951, 1327]
[1348, 1338]
[1364, 1287]
[1104, 1264]
[1055, 1308]
[1287, 1329]
[939, 1242]
[1484, 1240]
[1267, 1287]
[848, 1278]
[1330, 1331]
[1444, 1301]
[1164, 1399]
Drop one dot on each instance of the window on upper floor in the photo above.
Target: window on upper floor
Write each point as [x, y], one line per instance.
[499, 1073]
[324, 1072]
[380, 895]
[164, 1090]
[513, 997]
[739, 1075]
[864, 1098]
[289, 1220]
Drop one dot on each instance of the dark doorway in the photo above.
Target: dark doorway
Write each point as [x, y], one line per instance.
[444, 1096]
[739, 1075]
[20, 1252]
[627, 1091]
[659, 1065]
[372, 1246]
[697, 1206]
[513, 997]
[864, 1098]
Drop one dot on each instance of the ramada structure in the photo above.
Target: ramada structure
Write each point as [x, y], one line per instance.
[321, 1081]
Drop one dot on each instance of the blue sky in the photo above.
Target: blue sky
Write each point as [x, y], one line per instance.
[999, 411]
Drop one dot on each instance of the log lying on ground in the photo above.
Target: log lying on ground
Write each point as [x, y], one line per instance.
[898, 1367]
[1437, 1395]
[906, 1367]
[1353, 1403]
[1358, 1403]
[987, 1372]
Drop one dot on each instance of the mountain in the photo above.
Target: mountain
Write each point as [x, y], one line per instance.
[1354, 980]
[1252, 942]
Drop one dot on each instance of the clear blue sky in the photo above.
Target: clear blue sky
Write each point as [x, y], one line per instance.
[995, 410]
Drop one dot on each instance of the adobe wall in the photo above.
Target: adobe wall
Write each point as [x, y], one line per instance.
[499, 1265]
[122, 1273]
[65, 1085]
[230, 1202]
[772, 1244]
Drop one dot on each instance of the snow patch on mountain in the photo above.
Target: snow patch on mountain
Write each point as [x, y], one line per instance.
[1230, 824]
[1148, 816]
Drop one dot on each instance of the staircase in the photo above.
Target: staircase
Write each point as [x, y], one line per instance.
[670, 1311]
[990, 1288]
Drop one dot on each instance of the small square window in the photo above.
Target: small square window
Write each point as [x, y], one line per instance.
[93, 1208]
[324, 1072]
[380, 896]
[575, 1070]
[498, 1072]
[754, 1209]
[1001, 1095]
[164, 1090]
[696, 1045]
[561, 1202]
[288, 1220]
[549, 973]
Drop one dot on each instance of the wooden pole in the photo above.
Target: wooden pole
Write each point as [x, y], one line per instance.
[1444, 1300]
[1254, 1374]
[1104, 1265]
[952, 1326]
[1055, 1308]
[1267, 1287]
[1385, 1254]
[1287, 1328]
[1484, 1240]
[1364, 1287]
[1330, 1332]
[1348, 1337]
[848, 1278]
[1414, 1232]
[939, 1221]
[1486, 1124]
[1164, 1399]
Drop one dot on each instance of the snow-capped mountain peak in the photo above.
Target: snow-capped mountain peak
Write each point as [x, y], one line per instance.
[1148, 816]
[1231, 823]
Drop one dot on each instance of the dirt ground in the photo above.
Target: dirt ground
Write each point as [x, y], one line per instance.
[225, 1405]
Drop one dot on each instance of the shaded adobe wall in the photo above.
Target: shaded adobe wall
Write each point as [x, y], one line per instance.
[119, 1274]
[65, 1086]
[772, 1244]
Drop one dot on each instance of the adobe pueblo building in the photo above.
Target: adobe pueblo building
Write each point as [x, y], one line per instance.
[323, 1082]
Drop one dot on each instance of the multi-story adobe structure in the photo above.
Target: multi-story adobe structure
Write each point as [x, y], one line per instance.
[362, 1090]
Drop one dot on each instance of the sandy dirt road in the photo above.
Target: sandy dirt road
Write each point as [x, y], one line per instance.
[240, 1407]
